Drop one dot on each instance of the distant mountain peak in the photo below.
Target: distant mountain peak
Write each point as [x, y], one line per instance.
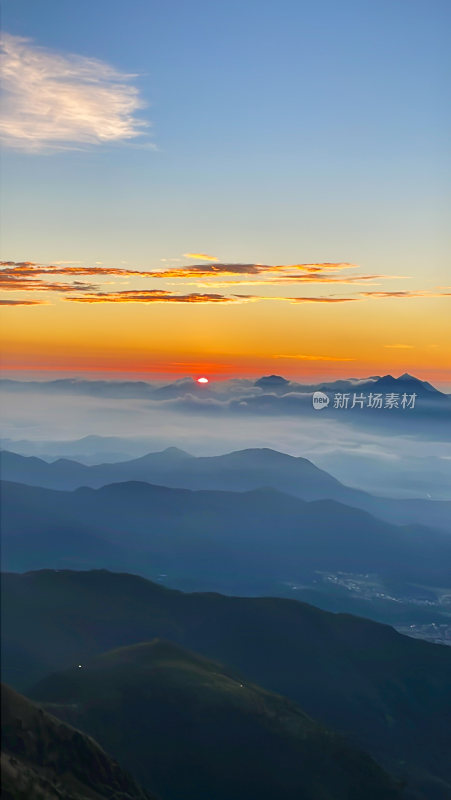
[176, 452]
[272, 382]
[411, 381]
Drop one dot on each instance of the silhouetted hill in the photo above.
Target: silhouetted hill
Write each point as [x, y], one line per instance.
[239, 471]
[237, 542]
[391, 695]
[188, 727]
[46, 759]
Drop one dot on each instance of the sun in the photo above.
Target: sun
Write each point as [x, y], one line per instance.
[202, 380]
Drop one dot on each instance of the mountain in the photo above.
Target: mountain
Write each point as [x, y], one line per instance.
[386, 383]
[188, 727]
[272, 383]
[266, 383]
[379, 383]
[240, 471]
[389, 694]
[46, 759]
[94, 388]
[89, 449]
[237, 542]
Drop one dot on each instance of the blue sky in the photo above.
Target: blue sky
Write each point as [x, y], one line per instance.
[284, 131]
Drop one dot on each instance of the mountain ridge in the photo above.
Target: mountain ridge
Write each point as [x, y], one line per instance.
[239, 470]
[387, 693]
[43, 758]
[228, 539]
[186, 725]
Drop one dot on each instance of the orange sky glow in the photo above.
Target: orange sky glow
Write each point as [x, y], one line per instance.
[166, 323]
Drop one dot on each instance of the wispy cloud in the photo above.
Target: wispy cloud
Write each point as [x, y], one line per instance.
[321, 299]
[58, 102]
[153, 296]
[24, 283]
[303, 357]
[406, 294]
[21, 302]
[324, 273]
[31, 276]
[399, 346]
[201, 256]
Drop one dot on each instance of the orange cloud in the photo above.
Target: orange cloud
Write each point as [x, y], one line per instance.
[323, 299]
[201, 256]
[302, 357]
[314, 277]
[399, 346]
[151, 296]
[24, 283]
[21, 302]
[193, 270]
[419, 293]
[33, 277]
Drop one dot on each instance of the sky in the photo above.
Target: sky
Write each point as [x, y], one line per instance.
[228, 188]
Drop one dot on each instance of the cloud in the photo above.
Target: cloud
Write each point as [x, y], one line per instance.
[21, 302]
[306, 273]
[302, 357]
[324, 277]
[323, 299]
[24, 283]
[32, 276]
[201, 256]
[59, 102]
[18, 264]
[192, 270]
[407, 294]
[152, 296]
[399, 346]
[262, 270]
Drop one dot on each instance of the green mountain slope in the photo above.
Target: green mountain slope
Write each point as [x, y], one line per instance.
[390, 694]
[188, 728]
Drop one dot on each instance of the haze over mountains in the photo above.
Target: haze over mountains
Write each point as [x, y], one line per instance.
[252, 538]
[237, 472]
[387, 693]
[391, 452]
[270, 396]
[237, 542]
[270, 384]
[178, 686]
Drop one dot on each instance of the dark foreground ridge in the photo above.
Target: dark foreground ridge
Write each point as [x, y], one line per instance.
[390, 695]
[46, 759]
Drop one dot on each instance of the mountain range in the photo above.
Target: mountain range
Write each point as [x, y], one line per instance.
[203, 695]
[268, 383]
[238, 542]
[386, 693]
[239, 471]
